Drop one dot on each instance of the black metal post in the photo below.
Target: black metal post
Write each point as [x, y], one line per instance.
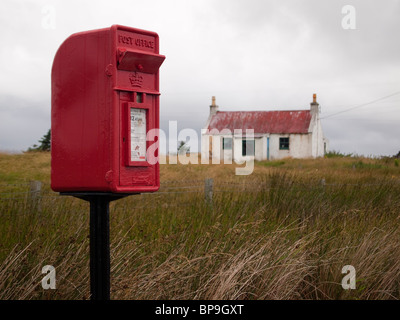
[99, 240]
[100, 248]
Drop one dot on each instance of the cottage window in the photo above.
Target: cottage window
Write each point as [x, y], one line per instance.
[248, 147]
[227, 143]
[283, 143]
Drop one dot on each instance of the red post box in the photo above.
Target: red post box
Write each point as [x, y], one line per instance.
[105, 101]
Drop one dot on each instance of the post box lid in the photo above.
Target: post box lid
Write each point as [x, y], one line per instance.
[131, 60]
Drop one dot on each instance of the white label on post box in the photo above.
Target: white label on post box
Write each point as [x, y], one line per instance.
[138, 134]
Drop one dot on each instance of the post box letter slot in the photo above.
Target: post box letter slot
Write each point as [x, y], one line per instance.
[138, 61]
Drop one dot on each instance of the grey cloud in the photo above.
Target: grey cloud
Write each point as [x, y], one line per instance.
[252, 55]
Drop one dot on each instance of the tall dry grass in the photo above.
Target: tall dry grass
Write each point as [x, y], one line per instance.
[279, 233]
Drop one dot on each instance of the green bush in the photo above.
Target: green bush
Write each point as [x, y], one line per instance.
[338, 154]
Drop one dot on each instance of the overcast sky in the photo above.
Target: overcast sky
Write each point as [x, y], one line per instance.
[251, 55]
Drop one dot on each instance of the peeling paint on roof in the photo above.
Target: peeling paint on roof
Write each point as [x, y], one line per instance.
[262, 121]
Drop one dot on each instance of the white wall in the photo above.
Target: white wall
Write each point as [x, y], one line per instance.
[317, 145]
[300, 145]
[237, 151]
[219, 155]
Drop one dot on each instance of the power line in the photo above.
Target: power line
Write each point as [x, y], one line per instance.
[361, 105]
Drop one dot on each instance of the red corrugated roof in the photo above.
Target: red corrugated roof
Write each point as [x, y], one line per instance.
[262, 121]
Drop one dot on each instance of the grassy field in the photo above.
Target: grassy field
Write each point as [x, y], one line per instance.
[284, 232]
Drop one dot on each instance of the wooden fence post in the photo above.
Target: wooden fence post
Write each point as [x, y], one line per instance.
[323, 184]
[36, 188]
[208, 191]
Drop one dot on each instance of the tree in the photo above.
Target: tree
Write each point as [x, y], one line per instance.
[44, 145]
[183, 147]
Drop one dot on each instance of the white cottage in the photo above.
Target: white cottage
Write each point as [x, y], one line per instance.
[277, 134]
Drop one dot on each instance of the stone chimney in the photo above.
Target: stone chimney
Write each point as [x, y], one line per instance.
[314, 106]
[213, 107]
